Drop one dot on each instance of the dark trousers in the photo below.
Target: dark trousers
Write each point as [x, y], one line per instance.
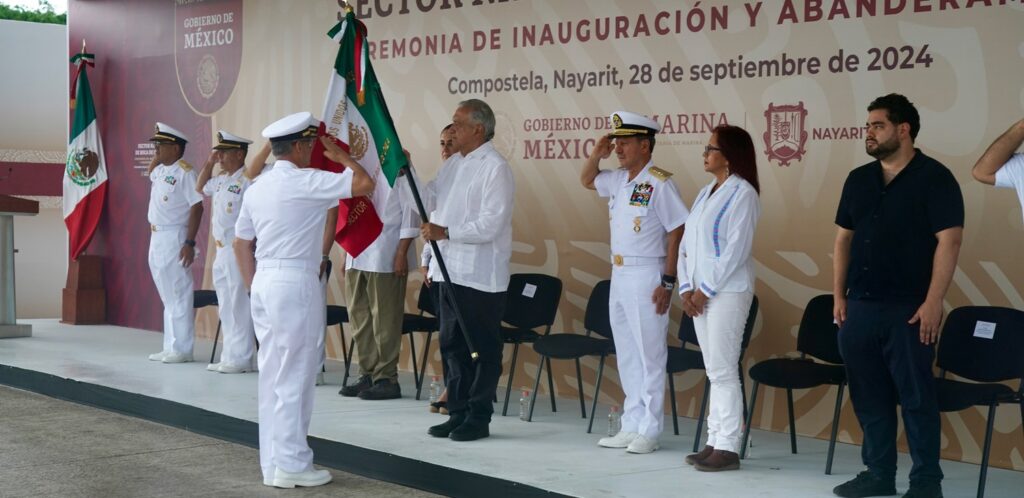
[886, 365]
[472, 384]
[434, 292]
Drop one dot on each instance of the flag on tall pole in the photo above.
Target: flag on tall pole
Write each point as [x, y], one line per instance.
[357, 118]
[85, 172]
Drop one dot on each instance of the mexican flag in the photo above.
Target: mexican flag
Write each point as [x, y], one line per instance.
[356, 117]
[85, 173]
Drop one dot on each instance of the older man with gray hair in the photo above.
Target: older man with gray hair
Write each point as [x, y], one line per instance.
[472, 224]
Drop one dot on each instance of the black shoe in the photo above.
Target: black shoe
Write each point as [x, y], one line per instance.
[470, 430]
[865, 484]
[382, 389]
[352, 390]
[443, 430]
[924, 489]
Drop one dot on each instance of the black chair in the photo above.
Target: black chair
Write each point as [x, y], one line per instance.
[575, 346]
[201, 299]
[338, 315]
[527, 308]
[412, 322]
[966, 351]
[681, 359]
[817, 337]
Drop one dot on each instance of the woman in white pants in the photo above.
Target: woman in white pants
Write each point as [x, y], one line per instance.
[716, 283]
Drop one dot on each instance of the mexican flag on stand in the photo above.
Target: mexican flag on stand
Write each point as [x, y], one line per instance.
[85, 172]
[356, 117]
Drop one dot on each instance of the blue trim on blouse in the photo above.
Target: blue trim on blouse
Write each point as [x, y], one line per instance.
[718, 221]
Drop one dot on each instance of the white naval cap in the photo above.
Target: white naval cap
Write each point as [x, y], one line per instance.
[227, 141]
[625, 123]
[167, 134]
[292, 127]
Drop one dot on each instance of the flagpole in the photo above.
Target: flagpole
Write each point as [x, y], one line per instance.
[474, 354]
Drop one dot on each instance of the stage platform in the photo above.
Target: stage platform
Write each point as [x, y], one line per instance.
[106, 366]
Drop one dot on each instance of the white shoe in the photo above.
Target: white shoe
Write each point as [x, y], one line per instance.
[307, 479]
[158, 356]
[268, 478]
[642, 445]
[227, 368]
[213, 367]
[620, 440]
[173, 357]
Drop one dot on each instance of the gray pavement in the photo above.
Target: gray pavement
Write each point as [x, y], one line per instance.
[50, 447]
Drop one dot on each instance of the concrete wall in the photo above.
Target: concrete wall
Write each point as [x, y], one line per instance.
[40, 266]
[33, 143]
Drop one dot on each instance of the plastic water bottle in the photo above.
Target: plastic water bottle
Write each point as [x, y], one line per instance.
[524, 405]
[614, 421]
[435, 389]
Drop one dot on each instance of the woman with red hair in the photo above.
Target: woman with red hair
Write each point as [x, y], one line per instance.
[716, 282]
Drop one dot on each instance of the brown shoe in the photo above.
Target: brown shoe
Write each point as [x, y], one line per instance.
[718, 461]
[697, 457]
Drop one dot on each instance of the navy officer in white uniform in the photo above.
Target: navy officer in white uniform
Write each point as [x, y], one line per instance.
[286, 210]
[226, 190]
[646, 216]
[175, 210]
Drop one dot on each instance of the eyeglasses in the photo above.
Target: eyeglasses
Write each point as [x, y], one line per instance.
[709, 148]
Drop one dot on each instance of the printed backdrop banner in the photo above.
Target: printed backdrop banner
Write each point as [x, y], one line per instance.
[798, 75]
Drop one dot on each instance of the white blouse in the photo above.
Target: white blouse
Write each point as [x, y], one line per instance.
[715, 253]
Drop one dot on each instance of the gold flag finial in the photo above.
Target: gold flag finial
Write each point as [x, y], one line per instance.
[345, 9]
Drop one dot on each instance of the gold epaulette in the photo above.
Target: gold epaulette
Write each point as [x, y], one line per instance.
[659, 173]
[185, 166]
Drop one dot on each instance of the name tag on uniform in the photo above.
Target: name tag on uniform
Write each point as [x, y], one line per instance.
[641, 195]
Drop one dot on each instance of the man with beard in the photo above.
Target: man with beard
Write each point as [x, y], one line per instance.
[900, 222]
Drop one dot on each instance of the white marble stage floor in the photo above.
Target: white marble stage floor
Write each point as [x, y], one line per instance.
[106, 366]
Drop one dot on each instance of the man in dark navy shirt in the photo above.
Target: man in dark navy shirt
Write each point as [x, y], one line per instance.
[900, 224]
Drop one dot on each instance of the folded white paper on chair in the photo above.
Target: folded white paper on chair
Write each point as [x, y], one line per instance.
[529, 290]
[985, 330]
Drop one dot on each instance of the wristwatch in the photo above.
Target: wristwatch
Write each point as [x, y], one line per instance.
[668, 282]
[190, 242]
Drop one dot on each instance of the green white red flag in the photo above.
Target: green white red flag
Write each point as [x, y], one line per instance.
[356, 116]
[85, 172]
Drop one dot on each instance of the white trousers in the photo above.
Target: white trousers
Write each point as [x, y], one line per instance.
[288, 313]
[641, 348]
[720, 334]
[233, 308]
[174, 284]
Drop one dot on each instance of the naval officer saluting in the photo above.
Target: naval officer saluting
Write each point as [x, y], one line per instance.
[286, 210]
[227, 190]
[175, 210]
[646, 218]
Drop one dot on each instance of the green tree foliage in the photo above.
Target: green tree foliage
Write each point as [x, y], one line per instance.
[44, 14]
